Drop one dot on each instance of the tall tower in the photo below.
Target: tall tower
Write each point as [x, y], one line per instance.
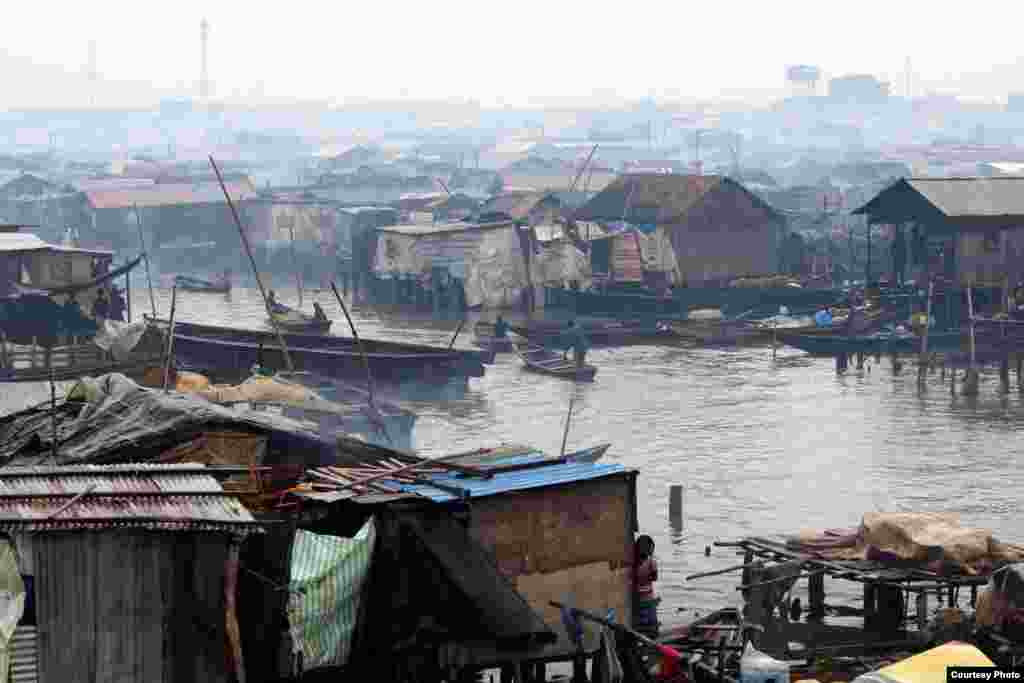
[204, 81]
[91, 72]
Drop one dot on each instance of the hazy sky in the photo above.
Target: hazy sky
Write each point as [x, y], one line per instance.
[331, 50]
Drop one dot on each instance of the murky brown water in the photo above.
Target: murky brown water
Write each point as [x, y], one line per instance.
[761, 447]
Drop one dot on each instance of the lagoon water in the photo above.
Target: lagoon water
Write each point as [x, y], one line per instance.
[760, 446]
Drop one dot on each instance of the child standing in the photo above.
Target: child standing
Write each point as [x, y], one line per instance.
[645, 619]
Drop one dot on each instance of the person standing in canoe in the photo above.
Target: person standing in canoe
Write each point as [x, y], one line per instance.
[500, 328]
[577, 341]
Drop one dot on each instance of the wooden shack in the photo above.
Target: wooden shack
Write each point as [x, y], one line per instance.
[535, 529]
[129, 572]
[718, 230]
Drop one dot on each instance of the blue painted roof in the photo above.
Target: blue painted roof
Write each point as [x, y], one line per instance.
[514, 481]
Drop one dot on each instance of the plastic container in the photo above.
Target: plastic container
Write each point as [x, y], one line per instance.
[757, 667]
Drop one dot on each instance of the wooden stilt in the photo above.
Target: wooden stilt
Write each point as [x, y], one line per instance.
[971, 382]
[816, 596]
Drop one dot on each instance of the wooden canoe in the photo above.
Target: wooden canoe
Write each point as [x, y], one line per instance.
[538, 359]
[195, 284]
[294, 320]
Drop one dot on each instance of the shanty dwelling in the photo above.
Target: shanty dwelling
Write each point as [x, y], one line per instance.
[356, 237]
[174, 216]
[121, 573]
[454, 573]
[49, 207]
[454, 265]
[717, 230]
[957, 232]
[294, 233]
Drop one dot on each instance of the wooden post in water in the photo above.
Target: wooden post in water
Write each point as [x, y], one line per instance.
[170, 337]
[675, 506]
[922, 363]
[971, 382]
[255, 270]
[128, 293]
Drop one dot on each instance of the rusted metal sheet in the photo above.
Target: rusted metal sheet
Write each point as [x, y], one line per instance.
[168, 497]
[627, 262]
[169, 194]
[24, 649]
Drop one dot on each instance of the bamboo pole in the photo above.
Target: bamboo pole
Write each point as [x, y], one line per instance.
[565, 434]
[145, 255]
[456, 335]
[295, 264]
[734, 568]
[170, 337]
[53, 411]
[921, 368]
[256, 271]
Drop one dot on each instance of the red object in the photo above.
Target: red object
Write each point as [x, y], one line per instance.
[669, 667]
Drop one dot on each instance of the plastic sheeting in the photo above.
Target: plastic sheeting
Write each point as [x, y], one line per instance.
[122, 418]
[12, 602]
[119, 338]
[325, 589]
[496, 271]
[559, 263]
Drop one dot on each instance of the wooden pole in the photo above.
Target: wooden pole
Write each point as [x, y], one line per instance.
[734, 568]
[456, 335]
[256, 271]
[971, 381]
[921, 366]
[128, 294]
[170, 337]
[295, 264]
[234, 633]
[565, 434]
[145, 255]
[53, 412]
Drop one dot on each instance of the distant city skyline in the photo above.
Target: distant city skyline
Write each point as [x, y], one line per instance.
[389, 50]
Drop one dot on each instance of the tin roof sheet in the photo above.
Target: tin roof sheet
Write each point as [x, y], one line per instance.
[169, 194]
[164, 497]
[521, 480]
[438, 228]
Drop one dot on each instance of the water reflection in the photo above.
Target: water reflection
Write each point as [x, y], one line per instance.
[761, 447]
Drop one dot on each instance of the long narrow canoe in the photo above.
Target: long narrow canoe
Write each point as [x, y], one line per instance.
[831, 345]
[227, 348]
[293, 320]
[195, 284]
[538, 359]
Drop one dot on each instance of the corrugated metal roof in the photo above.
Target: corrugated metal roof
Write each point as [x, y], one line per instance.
[168, 194]
[26, 241]
[501, 482]
[506, 482]
[438, 228]
[961, 197]
[648, 198]
[165, 497]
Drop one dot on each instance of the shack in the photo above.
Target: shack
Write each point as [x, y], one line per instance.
[172, 213]
[124, 573]
[458, 265]
[966, 231]
[52, 207]
[717, 229]
[464, 566]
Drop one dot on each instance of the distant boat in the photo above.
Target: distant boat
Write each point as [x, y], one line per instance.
[293, 320]
[545, 361]
[191, 283]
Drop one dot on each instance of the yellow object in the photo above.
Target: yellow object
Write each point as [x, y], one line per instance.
[191, 381]
[919, 319]
[930, 666]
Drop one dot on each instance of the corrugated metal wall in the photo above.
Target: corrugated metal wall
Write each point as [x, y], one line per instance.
[627, 262]
[24, 655]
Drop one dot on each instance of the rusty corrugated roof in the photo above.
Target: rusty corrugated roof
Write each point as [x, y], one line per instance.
[169, 194]
[960, 198]
[180, 497]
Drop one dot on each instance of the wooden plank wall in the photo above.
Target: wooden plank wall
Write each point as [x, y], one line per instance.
[572, 542]
[130, 606]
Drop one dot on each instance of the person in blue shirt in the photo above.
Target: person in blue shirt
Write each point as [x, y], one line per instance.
[577, 341]
[823, 318]
[500, 328]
